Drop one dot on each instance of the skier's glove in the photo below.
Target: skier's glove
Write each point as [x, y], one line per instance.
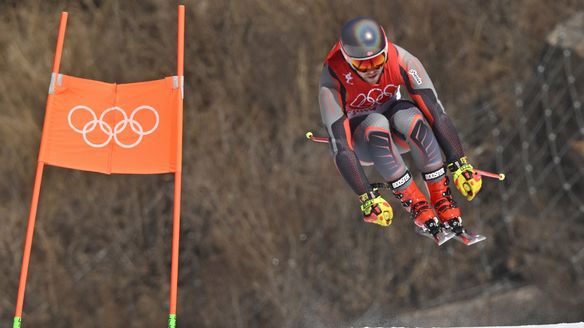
[467, 181]
[376, 209]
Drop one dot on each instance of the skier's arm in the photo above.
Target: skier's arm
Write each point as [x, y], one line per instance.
[337, 125]
[421, 90]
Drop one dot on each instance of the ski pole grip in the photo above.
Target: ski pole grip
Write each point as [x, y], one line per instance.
[310, 136]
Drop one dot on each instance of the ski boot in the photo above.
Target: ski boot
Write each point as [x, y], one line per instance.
[421, 212]
[448, 212]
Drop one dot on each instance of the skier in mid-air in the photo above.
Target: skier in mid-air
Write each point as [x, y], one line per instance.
[367, 123]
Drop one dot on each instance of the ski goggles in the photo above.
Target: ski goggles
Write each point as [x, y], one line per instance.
[368, 64]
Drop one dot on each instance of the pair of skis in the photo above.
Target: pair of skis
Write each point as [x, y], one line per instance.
[439, 232]
[443, 232]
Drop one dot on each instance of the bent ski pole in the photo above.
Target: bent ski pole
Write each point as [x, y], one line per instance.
[499, 176]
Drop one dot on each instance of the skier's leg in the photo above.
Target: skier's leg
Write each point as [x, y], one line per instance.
[373, 142]
[408, 121]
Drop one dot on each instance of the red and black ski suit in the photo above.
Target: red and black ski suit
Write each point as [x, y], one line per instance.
[369, 124]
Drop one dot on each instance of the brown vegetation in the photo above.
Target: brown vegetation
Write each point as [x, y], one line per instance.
[271, 236]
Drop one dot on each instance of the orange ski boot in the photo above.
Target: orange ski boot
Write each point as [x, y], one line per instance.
[448, 212]
[441, 198]
[416, 204]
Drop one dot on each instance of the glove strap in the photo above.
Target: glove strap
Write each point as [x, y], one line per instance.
[456, 165]
[369, 195]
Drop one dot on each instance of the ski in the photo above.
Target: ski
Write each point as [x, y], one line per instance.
[435, 232]
[462, 234]
[439, 238]
[469, 238]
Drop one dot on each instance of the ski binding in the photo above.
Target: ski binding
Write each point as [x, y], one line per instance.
[462, 234]
[433, 230]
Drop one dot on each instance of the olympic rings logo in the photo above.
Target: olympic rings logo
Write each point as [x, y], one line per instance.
[112, 133]
[374, 97]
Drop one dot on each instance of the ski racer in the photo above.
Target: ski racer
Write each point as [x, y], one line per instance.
[368, 124]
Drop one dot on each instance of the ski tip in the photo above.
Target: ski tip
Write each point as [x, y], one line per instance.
[442, 237]
[477, 239]
[439, 238]
[468, 239]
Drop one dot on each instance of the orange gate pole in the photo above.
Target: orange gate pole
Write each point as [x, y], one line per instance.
[37, 187]
[177, 174]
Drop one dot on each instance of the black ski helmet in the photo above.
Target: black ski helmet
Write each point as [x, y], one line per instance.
[362, 37]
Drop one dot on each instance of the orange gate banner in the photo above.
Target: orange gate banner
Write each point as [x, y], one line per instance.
[113, 128]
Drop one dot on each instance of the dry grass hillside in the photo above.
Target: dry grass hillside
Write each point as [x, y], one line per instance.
[271, 235]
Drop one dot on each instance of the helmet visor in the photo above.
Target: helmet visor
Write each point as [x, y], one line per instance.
[364, 65]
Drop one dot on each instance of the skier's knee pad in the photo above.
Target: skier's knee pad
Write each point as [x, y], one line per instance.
[412, 125]
[405, 120]
[374, 123]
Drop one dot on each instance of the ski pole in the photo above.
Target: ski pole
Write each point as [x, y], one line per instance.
[310, 136]
[499, 176]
